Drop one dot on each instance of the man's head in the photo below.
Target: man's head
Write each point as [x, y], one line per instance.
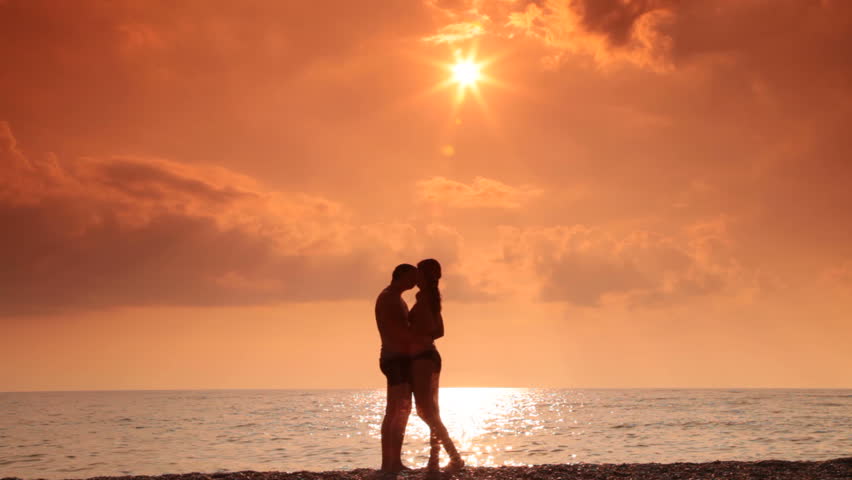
[404, 276]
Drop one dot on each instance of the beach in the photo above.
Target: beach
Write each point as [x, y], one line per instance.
[840, 468]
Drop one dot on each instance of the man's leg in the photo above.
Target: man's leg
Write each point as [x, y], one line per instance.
[397, 411]
[393, 426]
[402, 408]
[386, 434]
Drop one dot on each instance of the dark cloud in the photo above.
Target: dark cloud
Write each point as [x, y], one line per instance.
[616, 19]
[97, 233]
[783, 40]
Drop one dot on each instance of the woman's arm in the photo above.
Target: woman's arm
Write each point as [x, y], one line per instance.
[438, 330]
[420, 319]
[424, 322]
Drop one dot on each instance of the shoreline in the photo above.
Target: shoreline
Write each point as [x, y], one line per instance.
[839, 468]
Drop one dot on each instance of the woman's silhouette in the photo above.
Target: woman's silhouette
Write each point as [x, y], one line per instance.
[427, 324]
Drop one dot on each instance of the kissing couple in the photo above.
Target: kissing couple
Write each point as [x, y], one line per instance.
[411, 363]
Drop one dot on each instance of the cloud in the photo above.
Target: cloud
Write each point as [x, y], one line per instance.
[481, 193]
[463, 20]
[617, 20]
[101, 232]
[757, 109]
[588, 266]
[456, 32]
[609, 30]
[662, 35]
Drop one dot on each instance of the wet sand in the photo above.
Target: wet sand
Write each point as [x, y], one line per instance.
[840, 468]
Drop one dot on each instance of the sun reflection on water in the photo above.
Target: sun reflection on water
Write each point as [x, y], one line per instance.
[481, 421]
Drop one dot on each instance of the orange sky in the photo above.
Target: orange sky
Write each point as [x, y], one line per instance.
[645, 193]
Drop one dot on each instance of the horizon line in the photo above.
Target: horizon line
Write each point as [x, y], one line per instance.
[329, 389]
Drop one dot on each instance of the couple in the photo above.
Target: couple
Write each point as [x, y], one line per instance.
[411, 362]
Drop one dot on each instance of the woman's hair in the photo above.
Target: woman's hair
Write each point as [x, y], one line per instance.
[430, 269]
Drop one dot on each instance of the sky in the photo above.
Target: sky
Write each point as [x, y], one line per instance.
[636, 193]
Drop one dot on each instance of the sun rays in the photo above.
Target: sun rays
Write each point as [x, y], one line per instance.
[465, 76]
[466, 73]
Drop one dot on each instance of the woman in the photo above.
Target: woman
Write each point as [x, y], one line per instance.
[427, 324]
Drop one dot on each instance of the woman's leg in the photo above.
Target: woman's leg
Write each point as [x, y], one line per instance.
[434, 439]
[425, 383]
[443, 436]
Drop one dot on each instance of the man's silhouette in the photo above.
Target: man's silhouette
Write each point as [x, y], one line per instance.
[395, 363]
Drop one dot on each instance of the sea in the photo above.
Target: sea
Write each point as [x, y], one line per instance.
[56, 435]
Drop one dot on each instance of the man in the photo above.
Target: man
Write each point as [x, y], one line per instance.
[394, 362]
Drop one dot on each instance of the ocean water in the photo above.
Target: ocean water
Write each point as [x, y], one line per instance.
[83, 434]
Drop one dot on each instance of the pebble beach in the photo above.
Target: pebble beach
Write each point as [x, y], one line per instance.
[840, 468]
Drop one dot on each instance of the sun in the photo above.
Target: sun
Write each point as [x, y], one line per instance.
[469, 75]
[466, 73]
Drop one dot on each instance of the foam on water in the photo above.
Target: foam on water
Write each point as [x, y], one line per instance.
[82, 434]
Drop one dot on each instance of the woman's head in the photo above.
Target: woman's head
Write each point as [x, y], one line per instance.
[428, 275]
[429, 269]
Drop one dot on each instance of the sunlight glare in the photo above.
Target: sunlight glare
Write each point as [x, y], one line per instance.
[469, 414]
[466, 73]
